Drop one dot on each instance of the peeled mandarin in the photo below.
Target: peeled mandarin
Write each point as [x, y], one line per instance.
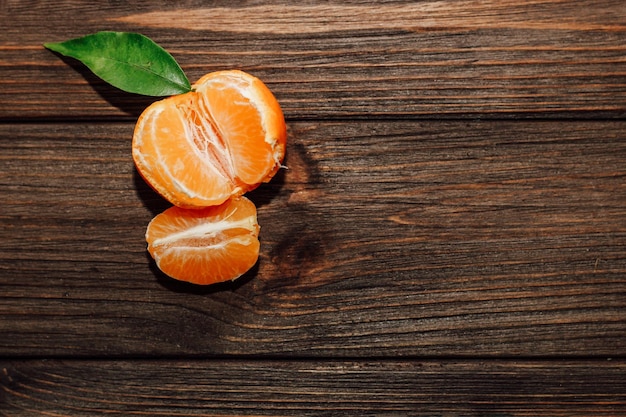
[220, 140]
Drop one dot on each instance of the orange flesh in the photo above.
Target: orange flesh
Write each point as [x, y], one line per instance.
[221, 140]
[205, 246]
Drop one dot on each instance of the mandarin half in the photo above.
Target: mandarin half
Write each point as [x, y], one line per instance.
[208, 245]
[222, 139]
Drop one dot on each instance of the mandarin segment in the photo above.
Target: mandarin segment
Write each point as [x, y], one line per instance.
[172, 165]
[205, 246]
[221, 140]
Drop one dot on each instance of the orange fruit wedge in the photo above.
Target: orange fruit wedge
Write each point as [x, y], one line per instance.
[205, 246]
[220, 140]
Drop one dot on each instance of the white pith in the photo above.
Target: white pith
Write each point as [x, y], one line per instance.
[206, 230]
[190, 251]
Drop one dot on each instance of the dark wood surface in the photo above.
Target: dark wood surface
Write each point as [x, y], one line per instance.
[305, 388]
[449, 237]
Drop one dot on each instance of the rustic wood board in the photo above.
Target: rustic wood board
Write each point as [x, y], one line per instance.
[415, 238]
[253, 388]
[334, 60]
[449, 237]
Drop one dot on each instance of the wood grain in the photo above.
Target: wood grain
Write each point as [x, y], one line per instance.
[253, 388]
[461, 59]
[474, 239]
[449, 237]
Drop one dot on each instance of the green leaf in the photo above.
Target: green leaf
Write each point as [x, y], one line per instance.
[129, 61]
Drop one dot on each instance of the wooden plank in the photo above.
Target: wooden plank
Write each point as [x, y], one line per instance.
[281, 388]
[461, 238]
[421, 59]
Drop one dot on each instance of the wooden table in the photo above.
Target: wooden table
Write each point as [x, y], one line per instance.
[449, 238]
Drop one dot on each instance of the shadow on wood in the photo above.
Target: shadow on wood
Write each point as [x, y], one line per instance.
[129, 103]
[174, 285]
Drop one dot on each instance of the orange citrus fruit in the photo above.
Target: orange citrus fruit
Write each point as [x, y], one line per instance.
[208, 245]
[220, 140]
